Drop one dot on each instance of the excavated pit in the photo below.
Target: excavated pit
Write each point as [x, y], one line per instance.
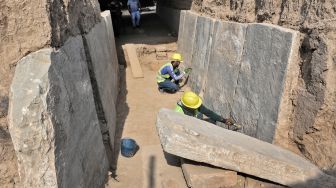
[270, 63]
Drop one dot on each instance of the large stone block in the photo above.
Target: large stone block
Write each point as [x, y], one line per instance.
[201, 53]
[106, 17]
[27, 26]
[200, 175]
[180, 31]
[53, 121]
[200, 141]
[243, 67]
[261, 79]
[103, 65]
[187, 37]
[224, 65]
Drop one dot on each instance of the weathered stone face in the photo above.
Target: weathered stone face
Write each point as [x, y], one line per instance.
[53, 121]
[201, 52]
[181, 30]
[241, 69]
[198, 140]
[311, 102]
[186, 45]
[103, 66]
[27, 26]
[261, 79]
[224, 66]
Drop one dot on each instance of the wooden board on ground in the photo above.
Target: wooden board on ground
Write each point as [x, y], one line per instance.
[130, 50]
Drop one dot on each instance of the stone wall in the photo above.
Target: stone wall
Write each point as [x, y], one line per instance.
[62, 105]
[103, 66]
[25, 27]
[242, 67]
[308, 127]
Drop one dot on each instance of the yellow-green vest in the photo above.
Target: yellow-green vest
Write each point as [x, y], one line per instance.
[162, 77]
[179, 109]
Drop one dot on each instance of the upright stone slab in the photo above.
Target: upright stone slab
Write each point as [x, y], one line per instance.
[247, 73]
[188, 37]
[104, 76]
[261, 79]
[200, 53]
[180, 31]
[224, 66]
[53, 121]
[198, 140]
[106, 17]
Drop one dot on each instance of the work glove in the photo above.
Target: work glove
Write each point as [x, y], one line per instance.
[187, 70]
[228, 122]
[236, 127]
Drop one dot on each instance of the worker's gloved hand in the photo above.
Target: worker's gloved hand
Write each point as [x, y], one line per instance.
[187, 70]
[227, 121]
[183, 73]
[236, 127]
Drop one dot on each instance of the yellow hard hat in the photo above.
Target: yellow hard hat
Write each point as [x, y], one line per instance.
[191, 100]
[176, 57]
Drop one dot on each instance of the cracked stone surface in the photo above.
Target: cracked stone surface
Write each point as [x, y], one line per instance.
[53, 121]
[197, 140]
[243, 67]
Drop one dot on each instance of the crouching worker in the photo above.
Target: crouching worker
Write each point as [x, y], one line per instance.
[169, 76]
[191, 104]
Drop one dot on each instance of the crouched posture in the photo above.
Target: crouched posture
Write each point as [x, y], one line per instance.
[169, 76]
[191, 104]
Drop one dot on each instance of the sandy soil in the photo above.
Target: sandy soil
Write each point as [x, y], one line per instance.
[139, 102]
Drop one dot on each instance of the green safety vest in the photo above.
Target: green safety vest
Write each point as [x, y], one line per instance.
[162, 77]
[179, 109]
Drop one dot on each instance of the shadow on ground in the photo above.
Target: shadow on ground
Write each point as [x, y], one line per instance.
[151, 32]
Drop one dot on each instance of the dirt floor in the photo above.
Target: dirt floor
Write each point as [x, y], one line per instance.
[139, 101]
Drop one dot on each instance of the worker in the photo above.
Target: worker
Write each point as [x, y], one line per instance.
[169, 76]
[134, 10]
[191, 104]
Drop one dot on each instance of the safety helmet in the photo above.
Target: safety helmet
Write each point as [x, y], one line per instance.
[191, 100]
[176, 57]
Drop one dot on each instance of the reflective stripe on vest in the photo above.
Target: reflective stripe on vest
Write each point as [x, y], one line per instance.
[162, 77]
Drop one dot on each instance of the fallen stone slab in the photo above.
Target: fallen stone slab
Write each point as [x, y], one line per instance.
[200, 175]
[200, 141]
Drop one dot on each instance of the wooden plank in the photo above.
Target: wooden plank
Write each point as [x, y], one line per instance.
[134, 61]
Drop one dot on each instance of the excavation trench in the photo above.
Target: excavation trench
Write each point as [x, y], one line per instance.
[69, 109]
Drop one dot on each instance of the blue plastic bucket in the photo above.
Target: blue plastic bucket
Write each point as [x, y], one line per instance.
[128, 147]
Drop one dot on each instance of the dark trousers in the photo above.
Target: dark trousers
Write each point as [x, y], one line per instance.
[169, 86]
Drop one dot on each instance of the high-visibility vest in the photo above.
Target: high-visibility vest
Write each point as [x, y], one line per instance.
[179, 109]
[162, 77]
